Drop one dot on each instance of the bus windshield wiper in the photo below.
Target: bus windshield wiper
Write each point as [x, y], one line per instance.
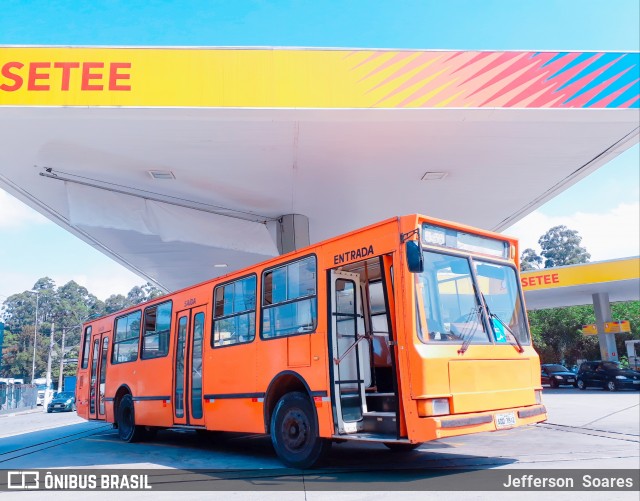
[468, 332]
[496, 317]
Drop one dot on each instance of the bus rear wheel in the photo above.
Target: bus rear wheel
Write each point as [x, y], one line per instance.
[127, 429]
[294, 432]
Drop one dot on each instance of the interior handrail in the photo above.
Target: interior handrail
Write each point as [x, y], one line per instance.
[360, 337]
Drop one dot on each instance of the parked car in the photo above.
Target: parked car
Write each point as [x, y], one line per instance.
[556, 375]
[62, 401]
[40, 396]
[607, 375]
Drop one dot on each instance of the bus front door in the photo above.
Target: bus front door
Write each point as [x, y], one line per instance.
[188, 362]
[349, 347]
[100, 347]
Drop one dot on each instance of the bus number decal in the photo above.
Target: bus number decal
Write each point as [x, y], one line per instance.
[190, 302]
[353, 255]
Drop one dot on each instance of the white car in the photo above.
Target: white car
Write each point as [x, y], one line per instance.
[42, 389]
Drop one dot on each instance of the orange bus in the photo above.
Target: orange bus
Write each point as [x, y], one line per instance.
[406, 331]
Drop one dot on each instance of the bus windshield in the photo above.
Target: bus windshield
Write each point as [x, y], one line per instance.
[449, 299]
[499, 286]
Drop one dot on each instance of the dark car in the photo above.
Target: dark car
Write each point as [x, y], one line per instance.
[607, 375]
[556, 375]
[62, 401]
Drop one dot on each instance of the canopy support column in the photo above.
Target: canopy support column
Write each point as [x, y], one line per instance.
[293, 232]
[602, 308]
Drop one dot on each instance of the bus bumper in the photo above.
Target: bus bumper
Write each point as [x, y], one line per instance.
[431, 428]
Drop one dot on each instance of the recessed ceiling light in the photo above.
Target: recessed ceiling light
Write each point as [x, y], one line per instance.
[161, 174]
[220, 265]
[434, 176]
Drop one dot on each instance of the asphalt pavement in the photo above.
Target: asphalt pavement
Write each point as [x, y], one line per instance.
[586, 430]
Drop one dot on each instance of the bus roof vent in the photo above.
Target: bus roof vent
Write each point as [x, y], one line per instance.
[161, 174]
[434, 176]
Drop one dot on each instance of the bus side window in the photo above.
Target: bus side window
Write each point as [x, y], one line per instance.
[157, 328]
[234, 312]
[85, 348]
[126, 338]
[289, 304]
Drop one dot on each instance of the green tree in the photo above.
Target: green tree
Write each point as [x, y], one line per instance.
[137, 295]
[557, 337]
[75, 304]
[67, 307]
[142, 294]
[19, 309]
[529, 260]
[115, 302]
[628, 310]
[561, 246]
[18, 354]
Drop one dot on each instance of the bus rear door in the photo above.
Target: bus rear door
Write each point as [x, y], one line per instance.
[99, 349]
[188, 362]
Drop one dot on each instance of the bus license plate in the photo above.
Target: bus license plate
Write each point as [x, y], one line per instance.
[506, 420]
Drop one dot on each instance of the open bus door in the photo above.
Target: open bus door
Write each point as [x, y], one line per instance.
[365, 363]
[351, 371]
[188, 361]
[98, 371]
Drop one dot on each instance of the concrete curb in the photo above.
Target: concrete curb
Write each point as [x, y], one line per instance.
[20, 412]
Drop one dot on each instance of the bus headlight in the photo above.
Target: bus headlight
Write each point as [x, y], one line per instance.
[433, 407]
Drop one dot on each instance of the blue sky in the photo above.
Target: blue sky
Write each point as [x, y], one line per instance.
[448, 24]
[606, 199]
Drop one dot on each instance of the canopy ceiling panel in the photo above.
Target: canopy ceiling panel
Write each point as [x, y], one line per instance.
[342, 137]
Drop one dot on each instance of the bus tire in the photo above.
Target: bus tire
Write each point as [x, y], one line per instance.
[401, 446]
[294, 432]
[127, 429]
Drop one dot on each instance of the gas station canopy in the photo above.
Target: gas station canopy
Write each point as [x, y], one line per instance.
[575, 285]
[181, 163]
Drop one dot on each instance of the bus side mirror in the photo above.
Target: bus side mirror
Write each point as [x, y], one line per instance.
[415, 259]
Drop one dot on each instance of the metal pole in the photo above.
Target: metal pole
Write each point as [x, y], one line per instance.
[60, 377]
[35, 339]
[51, 341]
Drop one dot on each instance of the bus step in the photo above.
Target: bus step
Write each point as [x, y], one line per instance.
[381, 402]
[371, 437]
[380, 422]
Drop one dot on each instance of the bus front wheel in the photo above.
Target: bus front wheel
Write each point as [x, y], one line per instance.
[294, 432]
[127, 429]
